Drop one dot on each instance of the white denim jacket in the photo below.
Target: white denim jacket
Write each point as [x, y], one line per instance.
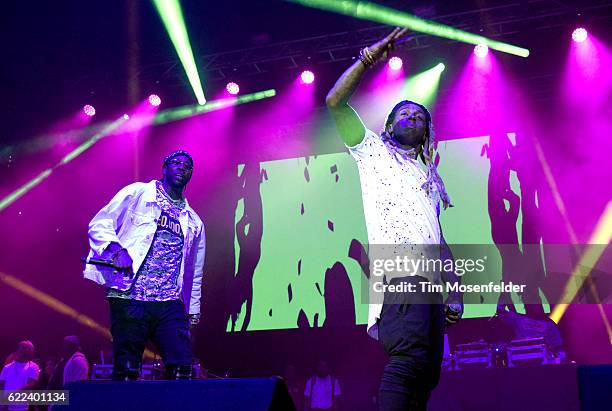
[130, 219]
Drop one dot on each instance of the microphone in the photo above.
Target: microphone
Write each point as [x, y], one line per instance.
[99, 263]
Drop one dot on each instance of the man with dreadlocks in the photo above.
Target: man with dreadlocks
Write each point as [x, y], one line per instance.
[401, 206]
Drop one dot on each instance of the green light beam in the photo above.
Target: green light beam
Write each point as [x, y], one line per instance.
[423, 87]
[180, 113]
[165, 116]
[15, 195]
[172, 16]
[136, 122]
[374, 12]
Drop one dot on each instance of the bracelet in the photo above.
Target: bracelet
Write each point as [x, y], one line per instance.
[365, 55]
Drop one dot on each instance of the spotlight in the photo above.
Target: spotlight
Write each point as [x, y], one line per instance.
[307, 76]
[89, 110]
[440, 67]
[395, 63]
[481, 50]
[126, 116]
[579, 35]
[154, 100]
[232, 88]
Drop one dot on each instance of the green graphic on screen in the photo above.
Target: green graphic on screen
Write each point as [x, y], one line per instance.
[310, 211]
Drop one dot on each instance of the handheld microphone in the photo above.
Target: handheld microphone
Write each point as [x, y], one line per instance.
[99, 263]
[455, 308]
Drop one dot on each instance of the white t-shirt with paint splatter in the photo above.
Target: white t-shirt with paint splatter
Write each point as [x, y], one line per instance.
[397, 209]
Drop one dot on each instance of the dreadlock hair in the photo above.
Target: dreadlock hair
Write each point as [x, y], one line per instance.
[427, 144]
[425, 151]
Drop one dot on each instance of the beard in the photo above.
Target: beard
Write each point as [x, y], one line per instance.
[409, 135]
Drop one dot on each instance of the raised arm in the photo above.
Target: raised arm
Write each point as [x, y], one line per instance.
[349, 124]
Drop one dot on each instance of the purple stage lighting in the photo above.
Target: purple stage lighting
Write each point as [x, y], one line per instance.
[395, 63]
[154, 100]
[481, 50]
[232, 88]
[89, 110]
[307, 77]
[579, 35]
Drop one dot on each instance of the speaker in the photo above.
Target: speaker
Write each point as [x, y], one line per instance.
[252, 394]
[594, 383]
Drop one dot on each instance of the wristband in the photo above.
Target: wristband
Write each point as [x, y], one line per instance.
[366, 57]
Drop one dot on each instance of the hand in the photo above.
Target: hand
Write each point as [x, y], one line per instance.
[453, 313]
[194, 319]
[123, 261]
[380, 50]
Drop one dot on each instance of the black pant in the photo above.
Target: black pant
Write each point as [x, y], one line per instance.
[413, 336]
[133, 323]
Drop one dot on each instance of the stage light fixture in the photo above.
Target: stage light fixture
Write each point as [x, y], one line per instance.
[307, 77]
[481, 50]
[232, 88]
[395, 63]
[580, 35]
[154, 100]
[89, 110]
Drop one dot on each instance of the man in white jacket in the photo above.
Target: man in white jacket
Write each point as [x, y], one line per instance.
[156, 243]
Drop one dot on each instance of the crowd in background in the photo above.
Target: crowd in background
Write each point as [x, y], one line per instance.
[23, 371]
